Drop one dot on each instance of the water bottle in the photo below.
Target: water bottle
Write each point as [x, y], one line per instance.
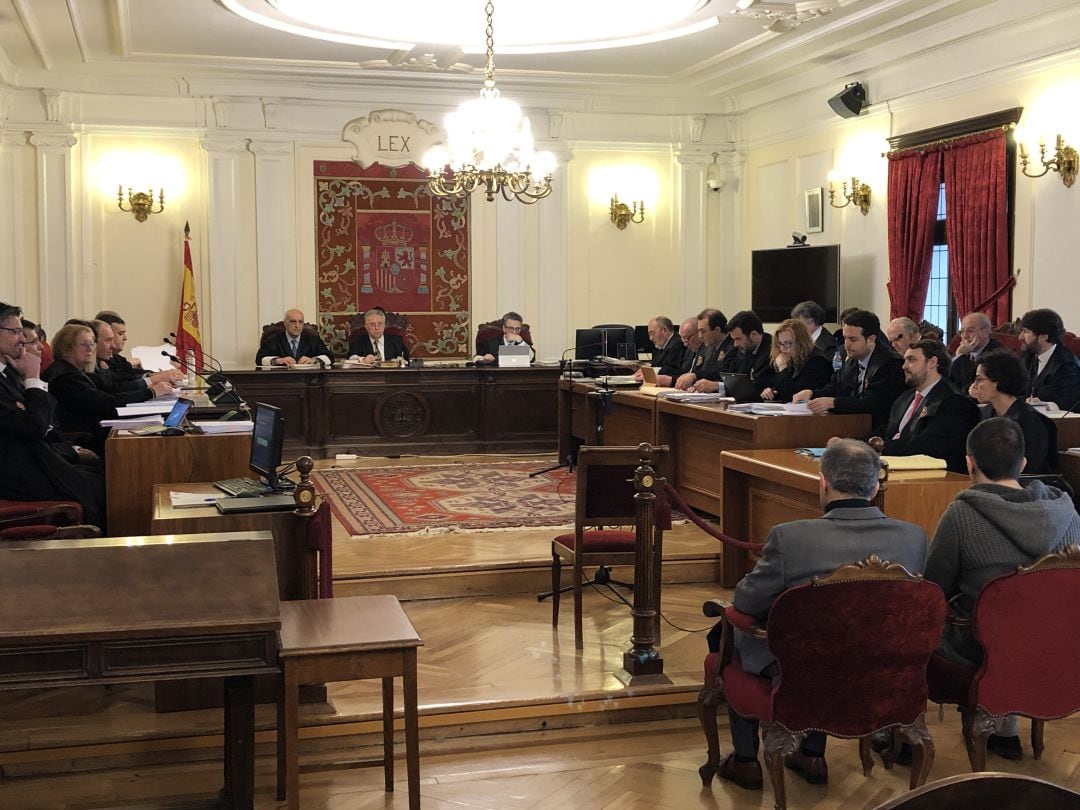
[189, 361]
[723, 392]
[837, 361]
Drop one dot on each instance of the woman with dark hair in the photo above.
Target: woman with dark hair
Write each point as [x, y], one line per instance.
[999, 383]
[794, 365]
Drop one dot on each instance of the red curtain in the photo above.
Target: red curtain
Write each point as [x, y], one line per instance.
[914, 183]
[975, 201]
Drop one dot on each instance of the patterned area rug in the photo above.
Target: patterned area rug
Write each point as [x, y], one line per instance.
[470, 497]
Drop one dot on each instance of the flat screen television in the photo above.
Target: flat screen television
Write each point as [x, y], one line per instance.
[267, 439]
[781, 278]
[611, 341]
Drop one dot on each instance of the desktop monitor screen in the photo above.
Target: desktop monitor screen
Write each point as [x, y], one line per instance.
[267, 438]
[783, 277]
[610, 341]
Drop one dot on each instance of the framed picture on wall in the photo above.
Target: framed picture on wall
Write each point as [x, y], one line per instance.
[815, 217]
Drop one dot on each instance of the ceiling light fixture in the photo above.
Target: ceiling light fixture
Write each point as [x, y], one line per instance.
[489, 146]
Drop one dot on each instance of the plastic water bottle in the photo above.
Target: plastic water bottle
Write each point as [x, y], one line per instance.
[723, 391]
[837, 361]
[189, 361]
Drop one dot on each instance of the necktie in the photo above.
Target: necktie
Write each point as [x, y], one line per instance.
[909, 414]
[295, 344]
[375, 350]
[862, 377]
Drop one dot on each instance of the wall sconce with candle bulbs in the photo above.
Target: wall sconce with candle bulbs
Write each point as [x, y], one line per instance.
[1064, 160]
[859, 195]
[622, 214]
[140, 203]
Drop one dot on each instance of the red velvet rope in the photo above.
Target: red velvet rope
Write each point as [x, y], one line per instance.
[712, 531]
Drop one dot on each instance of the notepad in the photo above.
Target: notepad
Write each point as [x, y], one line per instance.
[917, 462]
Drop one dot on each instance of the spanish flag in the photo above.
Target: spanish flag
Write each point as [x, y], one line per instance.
[188, 338]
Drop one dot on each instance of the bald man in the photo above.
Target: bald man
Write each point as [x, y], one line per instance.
[294, 346]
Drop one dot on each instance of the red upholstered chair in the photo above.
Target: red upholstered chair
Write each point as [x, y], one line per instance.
[604, 500]
[395, 325]
[49, 532]
[35, 513]
[46, 355]
[1026, 624]
[270, 330]
[493, 329]
[318, 537]
[852, 649]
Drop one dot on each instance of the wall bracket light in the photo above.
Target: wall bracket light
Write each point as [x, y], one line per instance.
[140, 203]
[1064, 161]
[859, 195]
[622, 214]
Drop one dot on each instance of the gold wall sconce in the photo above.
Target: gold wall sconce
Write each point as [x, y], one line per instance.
[859, 195]
[622, 214]
[140, 203]
[1064, 161]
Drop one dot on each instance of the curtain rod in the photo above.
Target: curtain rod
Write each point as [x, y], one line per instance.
[922, 146]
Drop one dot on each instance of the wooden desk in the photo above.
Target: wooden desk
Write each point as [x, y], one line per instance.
[585, 419]
[116, 610]
[429, 410]
[347, 639]
[133, 464]
[698, 434]
[297, 567]
[765, 487]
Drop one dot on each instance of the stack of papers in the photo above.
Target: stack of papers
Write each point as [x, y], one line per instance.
[145, 408]
[238, 426]
[772, 408]
[693, 396]
[190, 500]
[134, 422]
[617, 379]
[915, 462]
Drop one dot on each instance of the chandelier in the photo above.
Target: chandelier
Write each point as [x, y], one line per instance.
[489, 146]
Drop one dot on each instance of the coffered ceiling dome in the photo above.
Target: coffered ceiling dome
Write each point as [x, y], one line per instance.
[550, 26]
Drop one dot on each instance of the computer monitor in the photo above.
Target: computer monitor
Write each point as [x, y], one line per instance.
[178, 413]
[267, 438]
[612, 341]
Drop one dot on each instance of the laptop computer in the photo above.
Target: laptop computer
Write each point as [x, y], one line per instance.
[740, 387]
[515, 356]
[174, 419]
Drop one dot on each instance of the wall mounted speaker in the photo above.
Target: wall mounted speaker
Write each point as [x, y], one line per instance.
[848, 103]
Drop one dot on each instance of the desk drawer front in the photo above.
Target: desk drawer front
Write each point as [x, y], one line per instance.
[187, 655]
[40, 665]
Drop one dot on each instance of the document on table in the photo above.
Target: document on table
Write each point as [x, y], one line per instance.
[238, 426]
[134, 422]
[146, 408]
[190, 500]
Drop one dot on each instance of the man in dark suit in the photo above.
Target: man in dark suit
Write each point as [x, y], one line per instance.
[294, 346]
[668, 356]
[376, 346]
[719, 351]
[751, 356]
[932, 418]
[123, 370]
[694, 356]
[850, 530]
[975, 341]
[512, 326]
[30, 468]
[870, 379]
[813, 316]
[1053, 370]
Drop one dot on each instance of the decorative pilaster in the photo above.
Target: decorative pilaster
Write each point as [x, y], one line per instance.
[693, 228]
[225, 292]
[275, 231]
[59, 287]
[12, 252]
[553, 294]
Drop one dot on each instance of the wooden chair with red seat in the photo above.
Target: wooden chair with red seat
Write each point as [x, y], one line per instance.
[978, 790]
[604, 499]
[852, 649]
[43, 520]
[1026, 624]
[50, 532]
[271, 330]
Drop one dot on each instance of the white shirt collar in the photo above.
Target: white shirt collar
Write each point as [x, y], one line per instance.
[926, 391]
[1044, 358]
[816, 334]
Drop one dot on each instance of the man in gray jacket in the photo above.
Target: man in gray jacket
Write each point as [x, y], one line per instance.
[990, 529]
[850, 530]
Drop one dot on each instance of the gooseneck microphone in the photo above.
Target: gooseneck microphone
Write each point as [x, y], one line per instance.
[216, 363]
[221, 389]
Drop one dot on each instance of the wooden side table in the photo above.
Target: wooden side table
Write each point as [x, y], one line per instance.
[346, 639]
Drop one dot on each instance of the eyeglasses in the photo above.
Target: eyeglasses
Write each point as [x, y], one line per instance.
[979, 378]
[896, 339]
[785, 344]
[15, 330]
[84, 345]
[514, 330]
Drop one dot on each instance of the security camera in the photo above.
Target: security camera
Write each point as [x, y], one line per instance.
[798, 238]
[715, 183]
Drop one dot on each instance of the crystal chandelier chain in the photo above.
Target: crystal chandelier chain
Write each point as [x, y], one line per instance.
[489, 145]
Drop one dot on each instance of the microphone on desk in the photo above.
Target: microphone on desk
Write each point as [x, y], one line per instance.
[216, 363]
[220, 388]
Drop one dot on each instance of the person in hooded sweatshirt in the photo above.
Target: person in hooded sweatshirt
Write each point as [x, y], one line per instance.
[990, 529]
